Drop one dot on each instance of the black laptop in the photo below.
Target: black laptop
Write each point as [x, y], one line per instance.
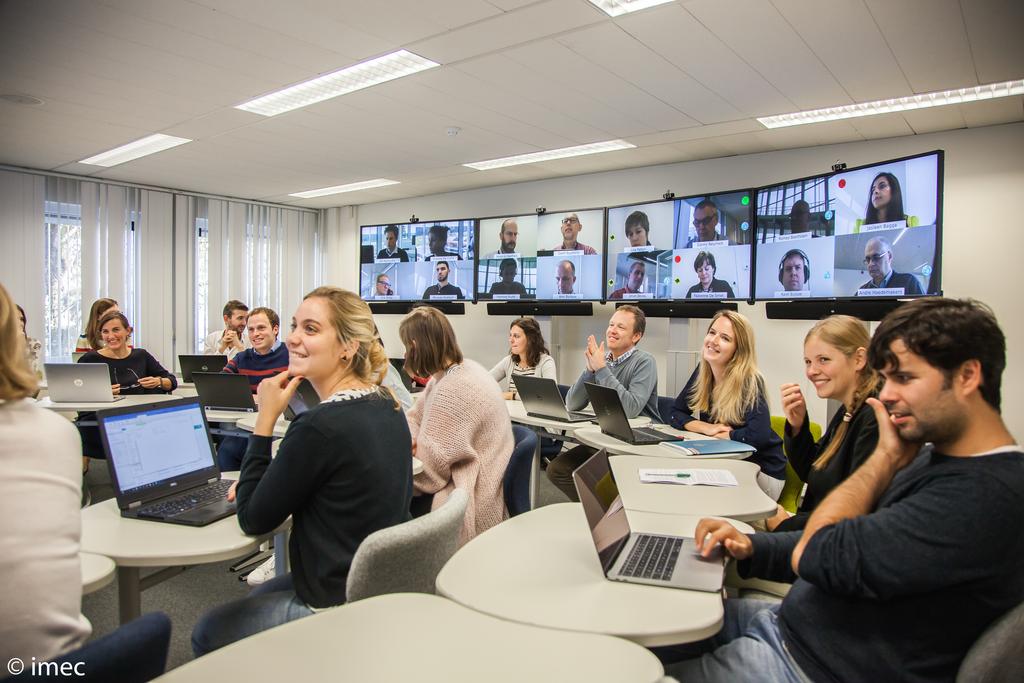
[612, 418]
[190, 364]
[541, 398]
[224, 391]
[626, 555]
[162, 463]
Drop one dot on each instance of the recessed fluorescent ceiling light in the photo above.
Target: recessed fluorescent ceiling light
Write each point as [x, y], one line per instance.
[338, 189]
[133, 150]
[341, 82]
[932, 99]
[614, 8]
[534, 157]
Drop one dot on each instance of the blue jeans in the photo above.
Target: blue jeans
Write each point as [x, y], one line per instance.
[231, 452]
[748, 648]
[268, 605]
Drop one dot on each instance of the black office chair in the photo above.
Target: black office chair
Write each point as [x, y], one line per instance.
[135, 653]
[998, 654]
[516, 483]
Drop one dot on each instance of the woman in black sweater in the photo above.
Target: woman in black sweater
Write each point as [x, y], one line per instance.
[835, 356]
[343, 471]
[132, 371]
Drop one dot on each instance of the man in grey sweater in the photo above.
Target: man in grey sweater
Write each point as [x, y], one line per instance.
[633, 374]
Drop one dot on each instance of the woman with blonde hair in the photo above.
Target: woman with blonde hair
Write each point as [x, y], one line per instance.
[40, 615]
[343, 469]
[835, 358]
[460, 425]
[725, 398]
[90, 339]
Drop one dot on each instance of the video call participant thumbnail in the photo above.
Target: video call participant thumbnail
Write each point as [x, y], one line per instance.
[638, 229]
[571, 228]
[634, 281]
[794, 271]
[508, 233]
[708, 286]
[565, 278]
[508, 270]
[442, 288]
[705, 221]
[437, 240]
[392, 250]
[878, 257]
[382, 286]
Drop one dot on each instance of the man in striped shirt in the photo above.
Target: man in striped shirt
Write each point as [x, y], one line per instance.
[267, 357]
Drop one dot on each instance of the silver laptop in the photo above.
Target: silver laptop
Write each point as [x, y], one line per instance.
[625, 555]
[79, 383]
[541, 398]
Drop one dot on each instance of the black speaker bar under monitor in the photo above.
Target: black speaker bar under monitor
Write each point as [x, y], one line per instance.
[403, 307]
[682, 309]
[865, 309]
[573, 308]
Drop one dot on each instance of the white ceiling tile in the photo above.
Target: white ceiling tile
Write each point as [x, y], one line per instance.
[882, 126]
[700, 132]
[612, 48]
[762, 37]
[214, 123]
[515, 79]
[404, 21]
[994, 31]
[993, 112]
[576, 73]
[512, 28]
[935, 119]
[929, 40]
[678, 37]
[834, 31]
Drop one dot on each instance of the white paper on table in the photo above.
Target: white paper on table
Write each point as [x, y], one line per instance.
[693, 477]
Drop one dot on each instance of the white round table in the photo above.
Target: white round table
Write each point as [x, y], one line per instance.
[97, 571]
[541, 568]
[419, 637]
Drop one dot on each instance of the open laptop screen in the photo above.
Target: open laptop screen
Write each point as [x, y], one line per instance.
[602, 506]
[150, 446]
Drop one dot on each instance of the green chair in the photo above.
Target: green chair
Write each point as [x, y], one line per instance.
[790, 498]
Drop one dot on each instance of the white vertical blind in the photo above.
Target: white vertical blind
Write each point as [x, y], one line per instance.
[21, 259]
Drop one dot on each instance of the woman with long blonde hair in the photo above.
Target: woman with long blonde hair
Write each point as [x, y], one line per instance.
[725, 398]
[343, 470]
[40, 495]
[835, 361]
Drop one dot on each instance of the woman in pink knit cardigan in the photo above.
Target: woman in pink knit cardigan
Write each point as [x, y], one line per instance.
[460, 426]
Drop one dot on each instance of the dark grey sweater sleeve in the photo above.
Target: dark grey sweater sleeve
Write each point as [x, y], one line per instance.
[772, 557]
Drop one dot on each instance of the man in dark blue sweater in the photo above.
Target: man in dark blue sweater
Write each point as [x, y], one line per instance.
[902, 566]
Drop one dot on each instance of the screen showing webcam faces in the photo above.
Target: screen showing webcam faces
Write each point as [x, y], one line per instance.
[691, 248]
[555, 256]
[425, 261]
[868, 231]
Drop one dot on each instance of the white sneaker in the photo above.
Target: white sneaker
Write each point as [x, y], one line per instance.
[262, 573]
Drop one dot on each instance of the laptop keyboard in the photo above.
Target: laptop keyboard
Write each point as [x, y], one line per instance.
[187, 501]
[652, 557]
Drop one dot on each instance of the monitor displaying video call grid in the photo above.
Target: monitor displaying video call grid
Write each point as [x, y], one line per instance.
[424, 261]
[555, 256]
[872, 231]
[695, 248]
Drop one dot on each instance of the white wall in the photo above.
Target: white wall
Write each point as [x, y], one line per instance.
[983, 245]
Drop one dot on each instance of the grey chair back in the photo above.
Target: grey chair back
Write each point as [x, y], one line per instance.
[998, 655]
[406, 558]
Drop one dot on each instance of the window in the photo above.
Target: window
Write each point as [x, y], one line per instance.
[62, 269]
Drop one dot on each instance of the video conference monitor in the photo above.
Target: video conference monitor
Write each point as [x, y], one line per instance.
[694, 248]
[554, 256]
[425, 261]
[872, 231]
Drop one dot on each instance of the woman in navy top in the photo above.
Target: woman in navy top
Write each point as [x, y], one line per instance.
[725, 398]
